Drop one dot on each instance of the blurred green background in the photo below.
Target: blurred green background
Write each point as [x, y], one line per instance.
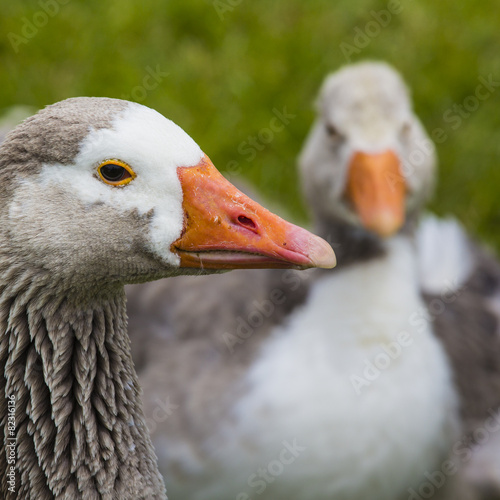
[219, 67]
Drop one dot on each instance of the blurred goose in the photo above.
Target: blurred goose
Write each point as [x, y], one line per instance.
[351, 385]
[96, 193]
[483, 470]
[378, 207]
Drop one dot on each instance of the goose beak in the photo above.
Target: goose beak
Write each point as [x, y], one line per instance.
[224, 229]
[377, 190]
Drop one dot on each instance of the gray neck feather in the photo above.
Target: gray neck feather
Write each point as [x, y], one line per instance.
[79, 422]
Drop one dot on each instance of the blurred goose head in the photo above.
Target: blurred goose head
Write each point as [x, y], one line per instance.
[367, 161]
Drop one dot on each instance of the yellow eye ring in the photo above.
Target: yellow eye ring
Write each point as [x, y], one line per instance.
[115, 172]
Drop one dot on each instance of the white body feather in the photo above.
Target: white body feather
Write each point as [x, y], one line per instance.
[445, 260]
[308, 428]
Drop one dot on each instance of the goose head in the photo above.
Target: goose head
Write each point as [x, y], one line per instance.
[96, 189]
[367, 161]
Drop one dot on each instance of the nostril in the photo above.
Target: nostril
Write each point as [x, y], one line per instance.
[247, 222]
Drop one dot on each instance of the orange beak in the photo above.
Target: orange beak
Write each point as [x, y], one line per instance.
[224, 229]
[377, 190]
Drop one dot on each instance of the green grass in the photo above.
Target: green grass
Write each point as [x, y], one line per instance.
[225, 77]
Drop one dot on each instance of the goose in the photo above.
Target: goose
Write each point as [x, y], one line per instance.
[96, 193]
[379, 206]
[355, 384]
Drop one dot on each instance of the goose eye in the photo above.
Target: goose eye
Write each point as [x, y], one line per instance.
[331, 130]
[116, 173]
[405, 128]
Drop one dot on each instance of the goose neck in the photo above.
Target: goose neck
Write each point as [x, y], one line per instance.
[79, 428]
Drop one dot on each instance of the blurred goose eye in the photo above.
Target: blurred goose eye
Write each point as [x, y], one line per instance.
[405, 128]
[115, 172]
[331, 130]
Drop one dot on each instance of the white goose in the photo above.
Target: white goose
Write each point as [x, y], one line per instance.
[336, 385]
[96, 193]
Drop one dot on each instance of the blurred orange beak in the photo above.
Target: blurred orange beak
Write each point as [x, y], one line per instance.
[377, 190]
[224, 229]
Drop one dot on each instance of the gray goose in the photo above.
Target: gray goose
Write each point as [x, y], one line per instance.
[354, 385]
[96, 193]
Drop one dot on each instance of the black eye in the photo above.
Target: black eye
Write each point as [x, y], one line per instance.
[113, 173]
[116, 172]
[331, 130]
